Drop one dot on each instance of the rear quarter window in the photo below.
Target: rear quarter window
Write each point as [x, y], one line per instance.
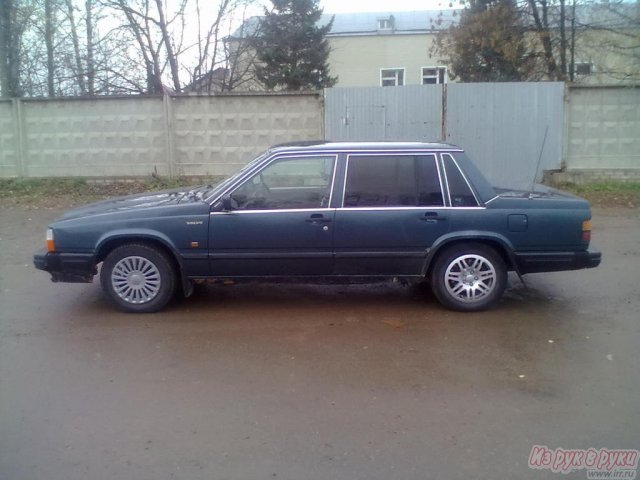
[459, 190]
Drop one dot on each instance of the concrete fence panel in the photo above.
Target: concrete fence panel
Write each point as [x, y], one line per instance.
[219, 134]
[139, 136]
[603, 128]
[87, 138]
[9, 141]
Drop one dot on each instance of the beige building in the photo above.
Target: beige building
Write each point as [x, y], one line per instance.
[374, 49]
[395, 49]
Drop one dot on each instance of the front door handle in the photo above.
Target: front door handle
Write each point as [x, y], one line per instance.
[433, 217]
[318, 218]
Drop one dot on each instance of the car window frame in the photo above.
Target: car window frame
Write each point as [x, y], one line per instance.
[390, 153]
[275, 158]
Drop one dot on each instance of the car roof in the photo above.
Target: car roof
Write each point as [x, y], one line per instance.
[316, 145]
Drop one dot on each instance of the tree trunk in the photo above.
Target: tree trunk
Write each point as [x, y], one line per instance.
[542, 27]
[6, 7]
[173, 63]
[91, 68]
[563, 40]
[48, 39]
[572, 64]
[76, 49]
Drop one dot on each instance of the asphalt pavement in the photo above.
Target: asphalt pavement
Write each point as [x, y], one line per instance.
[311, 382]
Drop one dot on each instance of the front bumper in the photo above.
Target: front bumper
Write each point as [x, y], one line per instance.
[66, 267]
[534, 262]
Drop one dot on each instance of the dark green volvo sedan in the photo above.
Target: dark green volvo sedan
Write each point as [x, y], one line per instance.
[325, 212]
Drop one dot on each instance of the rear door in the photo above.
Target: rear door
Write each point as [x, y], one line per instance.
[392, 211]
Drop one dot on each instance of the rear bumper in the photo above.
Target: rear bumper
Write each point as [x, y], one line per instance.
[66, 267]
[533, 262]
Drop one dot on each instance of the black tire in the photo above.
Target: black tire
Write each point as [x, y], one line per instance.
[138, 278]
[469, 277]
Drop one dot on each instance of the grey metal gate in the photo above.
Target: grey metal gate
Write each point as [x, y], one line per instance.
[505, 127]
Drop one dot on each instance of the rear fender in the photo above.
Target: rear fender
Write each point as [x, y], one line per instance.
[497, 241]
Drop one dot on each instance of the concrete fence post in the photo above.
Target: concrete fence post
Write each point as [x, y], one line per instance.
[167, 110]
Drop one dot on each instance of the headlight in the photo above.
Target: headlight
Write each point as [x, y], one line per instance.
[50, 244]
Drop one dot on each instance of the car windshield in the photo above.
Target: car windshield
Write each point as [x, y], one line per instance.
[214, 189]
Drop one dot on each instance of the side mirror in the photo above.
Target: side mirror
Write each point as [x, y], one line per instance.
[229, 203]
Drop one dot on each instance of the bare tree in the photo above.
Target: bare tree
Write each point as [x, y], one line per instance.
[91, 73]
[155, 36]
[106, 47]
[9, 48]
[166, 39]
[222, 56]
[561, 38]
[49, 32]
[76, 48]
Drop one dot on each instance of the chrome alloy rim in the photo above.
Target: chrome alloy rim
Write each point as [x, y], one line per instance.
[135, 280]
[470, 278]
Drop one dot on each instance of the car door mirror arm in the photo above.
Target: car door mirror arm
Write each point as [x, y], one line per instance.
[226, 204]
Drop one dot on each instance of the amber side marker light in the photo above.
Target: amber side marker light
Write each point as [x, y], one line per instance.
[50, 244]
[586, 231]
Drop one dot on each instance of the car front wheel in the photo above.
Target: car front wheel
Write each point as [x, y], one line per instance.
[138, 278]
[469, 277]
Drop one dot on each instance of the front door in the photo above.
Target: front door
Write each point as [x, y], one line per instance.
[279, 222]
[392, 212]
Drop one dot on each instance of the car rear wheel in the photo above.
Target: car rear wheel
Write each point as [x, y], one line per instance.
[469, 277]
[138, 278]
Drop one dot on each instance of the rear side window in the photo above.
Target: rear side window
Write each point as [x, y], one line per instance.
[392, 181]
[459, 190]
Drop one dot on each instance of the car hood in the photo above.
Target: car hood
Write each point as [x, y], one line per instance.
[141, 201]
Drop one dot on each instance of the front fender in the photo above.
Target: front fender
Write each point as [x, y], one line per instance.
[136, 234]
[150, 235]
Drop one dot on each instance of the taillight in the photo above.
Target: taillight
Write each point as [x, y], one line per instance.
[586, 231]
[50, 244]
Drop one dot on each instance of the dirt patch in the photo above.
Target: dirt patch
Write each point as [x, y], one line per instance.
[606, 194]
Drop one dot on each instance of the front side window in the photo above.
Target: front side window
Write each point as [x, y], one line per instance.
[434, 75]
[392, 181]
[392, 77]
[288, 183]
[459, 190]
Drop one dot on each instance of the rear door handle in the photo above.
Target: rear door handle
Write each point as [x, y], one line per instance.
[433, 217]
[318, 218]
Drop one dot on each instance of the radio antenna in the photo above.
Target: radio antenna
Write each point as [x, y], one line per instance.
[535, 175]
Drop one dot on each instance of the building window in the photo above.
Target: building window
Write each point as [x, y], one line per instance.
[434, 75]
[385, 23]
[583, 68]
[392, 77]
